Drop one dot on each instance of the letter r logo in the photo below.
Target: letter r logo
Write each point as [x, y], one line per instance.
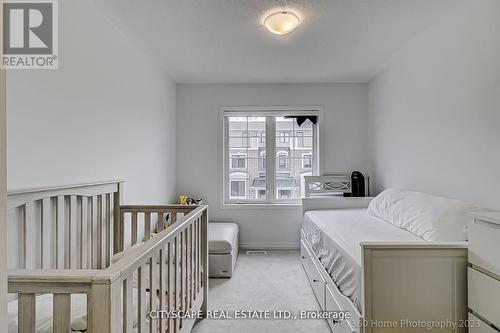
[28, 27]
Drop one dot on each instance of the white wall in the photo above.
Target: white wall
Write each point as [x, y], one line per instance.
[435, 109]
[106, 113]
[343, 140]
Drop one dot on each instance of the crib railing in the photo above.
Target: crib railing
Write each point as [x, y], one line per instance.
[142, 220]
[61, 283]
[169, 272]
[63, 227]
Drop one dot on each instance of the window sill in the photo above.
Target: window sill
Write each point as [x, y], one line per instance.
[275, 206]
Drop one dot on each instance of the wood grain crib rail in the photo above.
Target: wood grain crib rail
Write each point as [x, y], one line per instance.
[71, 226]
[68, 237]
[179, 281]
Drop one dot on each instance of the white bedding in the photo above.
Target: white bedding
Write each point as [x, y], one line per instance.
[335, 237]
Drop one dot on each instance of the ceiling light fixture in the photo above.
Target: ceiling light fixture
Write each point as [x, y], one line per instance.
[281, 22]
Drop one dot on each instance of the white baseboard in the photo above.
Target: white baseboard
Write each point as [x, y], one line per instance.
[269, 245]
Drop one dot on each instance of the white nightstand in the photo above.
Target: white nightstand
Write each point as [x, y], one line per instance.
[484, 273]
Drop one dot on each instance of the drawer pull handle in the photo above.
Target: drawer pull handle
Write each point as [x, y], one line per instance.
[303, 257]
[315, 281]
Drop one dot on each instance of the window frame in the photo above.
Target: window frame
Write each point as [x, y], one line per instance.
[299, 139]
[272, 112]
[304, 158]
[279, 154]
[244, 157]
[245, 182]
[284, 136]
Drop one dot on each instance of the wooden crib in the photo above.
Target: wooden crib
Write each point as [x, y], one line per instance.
[66, 237]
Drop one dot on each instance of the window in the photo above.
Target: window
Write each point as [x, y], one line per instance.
[284, 137]
[261, 194]
[238, 161]
[284, 194]
[238, 188]
[282, 160]
[299, 136]
[262, 164]
[306, 161]
[244, 139]
[266, 155]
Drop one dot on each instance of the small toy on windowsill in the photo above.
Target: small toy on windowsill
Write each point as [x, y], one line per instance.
[185, 200]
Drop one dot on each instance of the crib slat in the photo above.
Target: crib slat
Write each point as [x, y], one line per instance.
[29, 235]
[117, 222]
[170, 285]
[141, 294]
[62, 313]
[84, 235]
[72, 232]
[111, 227]
[128, 307]
[160, 224]
[46, 234]
[189, 264]
[60, 232]
[107, 227]
[104, 223]
[204, 260]
[177, 274]
[27, 309]
[153, 276]
[161, 283]
[183, 272]
[134, 228]
[95, 233]
[90, 317]
[197, 224]
[147, 226]
[98, 235]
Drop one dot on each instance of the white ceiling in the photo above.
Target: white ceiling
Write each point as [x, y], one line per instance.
[224, 40]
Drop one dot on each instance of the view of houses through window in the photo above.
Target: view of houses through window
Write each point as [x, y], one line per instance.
[246, 151]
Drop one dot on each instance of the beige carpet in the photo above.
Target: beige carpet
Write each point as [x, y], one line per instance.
[275, 281]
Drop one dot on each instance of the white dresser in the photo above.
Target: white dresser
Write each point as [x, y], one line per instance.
[484, 273]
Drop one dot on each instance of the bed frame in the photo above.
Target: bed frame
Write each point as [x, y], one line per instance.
[68, 235]
[401, 281]
[328, 185]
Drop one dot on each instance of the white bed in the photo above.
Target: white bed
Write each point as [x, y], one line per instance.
[399, 257]
[335, 235]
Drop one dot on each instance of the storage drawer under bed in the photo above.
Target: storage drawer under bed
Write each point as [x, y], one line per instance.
[304, 253]
[331, 305]
[313, 274]
[316, 280]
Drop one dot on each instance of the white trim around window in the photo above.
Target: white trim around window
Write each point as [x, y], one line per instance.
[270, 145]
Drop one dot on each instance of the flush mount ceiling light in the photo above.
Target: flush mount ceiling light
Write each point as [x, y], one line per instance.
[281, 22]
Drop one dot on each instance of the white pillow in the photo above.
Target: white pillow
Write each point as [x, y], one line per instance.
[429, 217]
